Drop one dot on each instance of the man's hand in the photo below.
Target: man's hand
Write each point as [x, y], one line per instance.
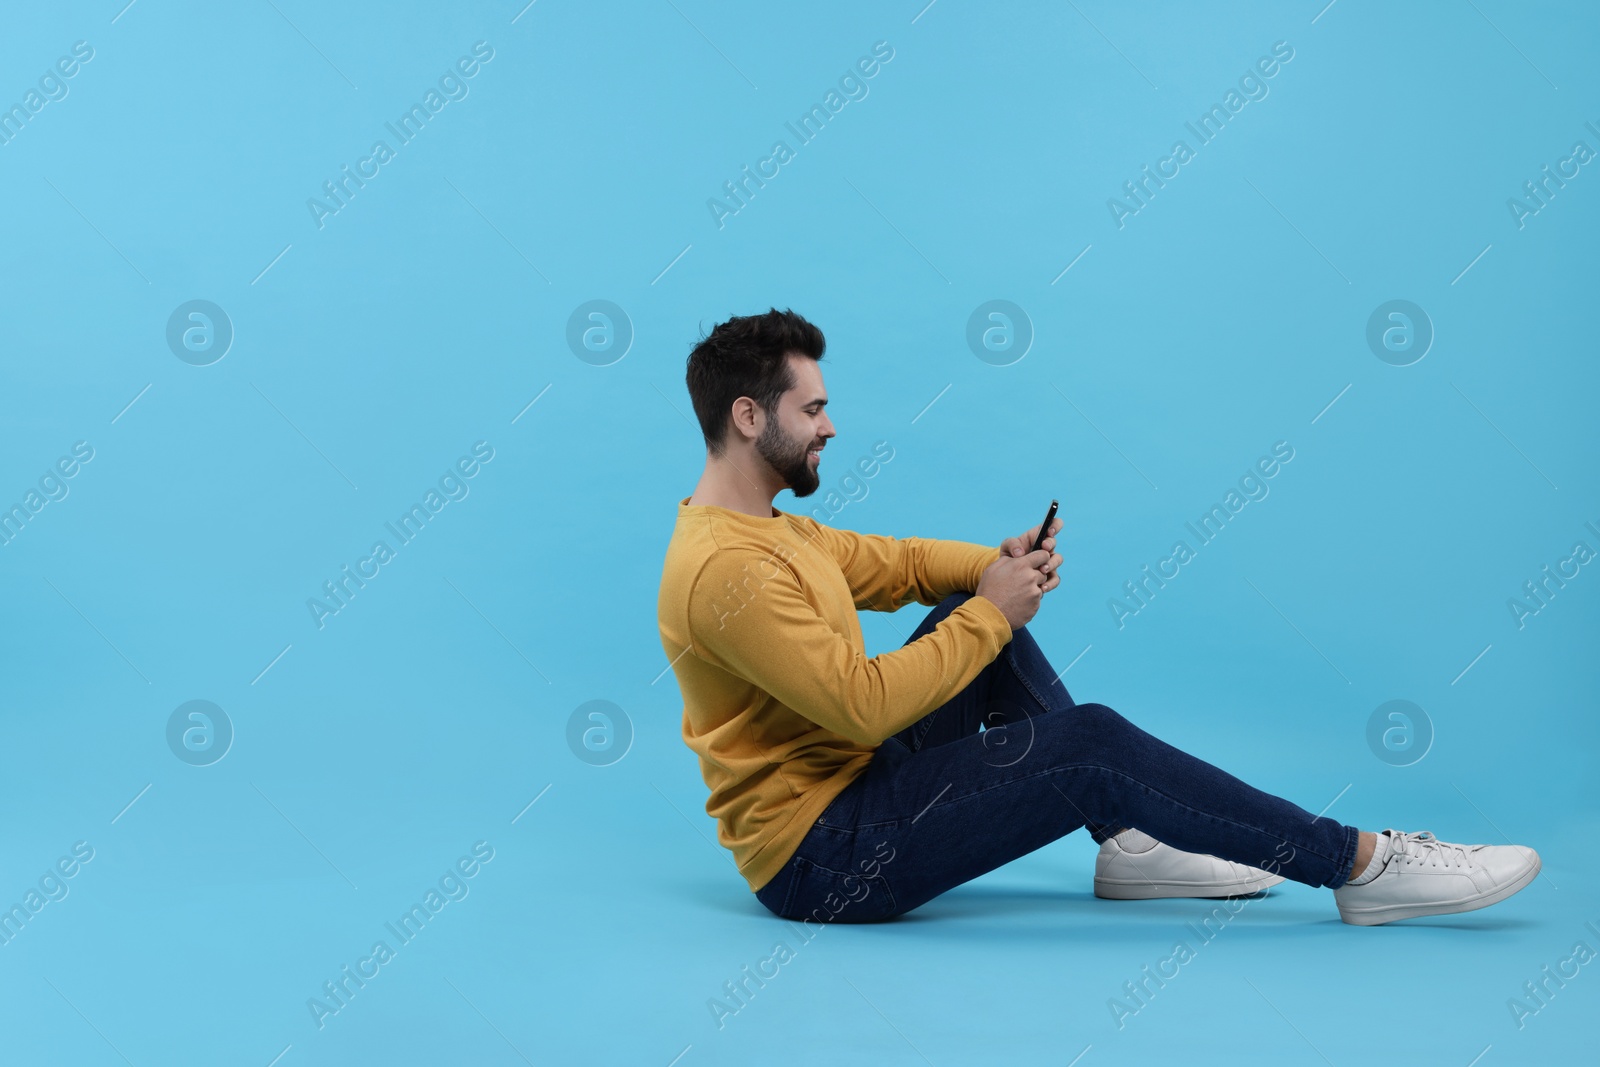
[1015, 584]
[1019, 546]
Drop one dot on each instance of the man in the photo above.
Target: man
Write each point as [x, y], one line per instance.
[854, 789]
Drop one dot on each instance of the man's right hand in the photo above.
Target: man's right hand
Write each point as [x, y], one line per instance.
[1016, 585]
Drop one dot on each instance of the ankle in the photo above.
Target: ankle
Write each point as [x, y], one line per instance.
[1369, 866]
[1366, 844]
[1135, 841]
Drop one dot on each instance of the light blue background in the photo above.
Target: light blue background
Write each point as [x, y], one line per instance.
[432, 309]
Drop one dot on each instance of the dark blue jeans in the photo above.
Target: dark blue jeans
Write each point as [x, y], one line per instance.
[942, 802]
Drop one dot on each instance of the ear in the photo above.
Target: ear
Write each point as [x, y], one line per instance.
[745, 417]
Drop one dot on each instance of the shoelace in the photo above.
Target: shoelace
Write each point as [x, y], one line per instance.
[1424, 847]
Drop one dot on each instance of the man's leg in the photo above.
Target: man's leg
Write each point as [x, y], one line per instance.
[925, 817]
[949, 813]
[949, 803]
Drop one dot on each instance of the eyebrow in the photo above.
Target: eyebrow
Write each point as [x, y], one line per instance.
[820, 401]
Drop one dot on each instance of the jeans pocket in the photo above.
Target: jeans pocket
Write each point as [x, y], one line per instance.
[819, 895]
[840, 814]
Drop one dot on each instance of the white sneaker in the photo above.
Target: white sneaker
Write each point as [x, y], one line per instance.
[1426, 876]
[1164, 871]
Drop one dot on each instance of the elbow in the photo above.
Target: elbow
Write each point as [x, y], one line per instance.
[850, 726]
[858, 709]
[863, 736]
[853, 730]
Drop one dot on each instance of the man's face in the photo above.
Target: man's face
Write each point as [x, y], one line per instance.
[801, 425]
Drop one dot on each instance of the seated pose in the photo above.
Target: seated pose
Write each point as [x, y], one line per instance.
[854, 789]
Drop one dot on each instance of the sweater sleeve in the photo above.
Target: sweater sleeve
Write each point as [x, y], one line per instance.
[776, 640]
[886, 573]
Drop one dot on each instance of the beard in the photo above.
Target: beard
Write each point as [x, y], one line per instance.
[787, 457]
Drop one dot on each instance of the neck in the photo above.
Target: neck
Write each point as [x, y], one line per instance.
[737, 483]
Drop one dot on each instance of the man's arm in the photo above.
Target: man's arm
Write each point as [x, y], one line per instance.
[886, 573]
[775, 640]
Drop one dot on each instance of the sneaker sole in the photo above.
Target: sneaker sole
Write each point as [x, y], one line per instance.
[1108, 890]
[1377, 916]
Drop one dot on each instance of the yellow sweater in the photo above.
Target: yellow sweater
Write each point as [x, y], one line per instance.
[780, 702]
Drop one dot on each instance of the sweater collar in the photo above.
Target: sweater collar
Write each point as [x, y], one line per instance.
[776, 520]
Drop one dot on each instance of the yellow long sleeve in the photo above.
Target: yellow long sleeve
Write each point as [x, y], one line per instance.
[781, 703]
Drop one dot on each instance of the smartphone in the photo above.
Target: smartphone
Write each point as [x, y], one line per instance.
[1044, 527]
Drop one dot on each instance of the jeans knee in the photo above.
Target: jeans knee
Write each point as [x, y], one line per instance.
[1088, 735]
[1100, 718]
